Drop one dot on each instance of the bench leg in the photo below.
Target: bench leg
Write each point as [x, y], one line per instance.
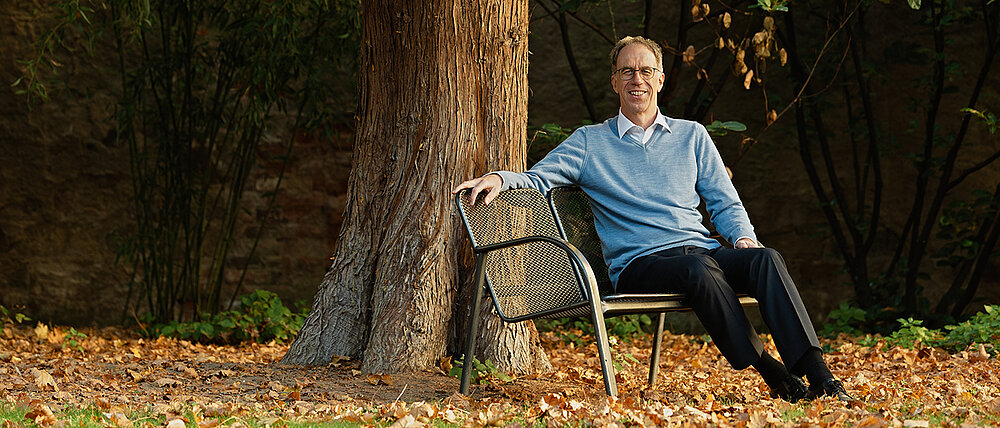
[654, 357]
[470, 339]
[603, 350]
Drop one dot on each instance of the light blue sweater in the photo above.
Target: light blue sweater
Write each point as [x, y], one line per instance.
[645, 197]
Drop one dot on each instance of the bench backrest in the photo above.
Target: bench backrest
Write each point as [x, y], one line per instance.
[526, 279]
[575, 221]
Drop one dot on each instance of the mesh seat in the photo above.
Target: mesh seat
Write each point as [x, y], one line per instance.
[541, 258]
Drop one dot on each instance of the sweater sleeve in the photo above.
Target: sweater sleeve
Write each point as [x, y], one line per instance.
[561, 166]
[723, 202]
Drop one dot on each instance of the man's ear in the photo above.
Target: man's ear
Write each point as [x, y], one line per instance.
[614, 87]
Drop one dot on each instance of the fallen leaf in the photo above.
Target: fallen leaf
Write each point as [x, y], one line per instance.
[42, 331]
[102, 403]
[175, 423]
[406, 422]
[117, 419]
[167, 382]
[445, 364]
[40, 414]
[979, 355]
[208, 423]
[43, 379]
[214, 409]
[994, 405]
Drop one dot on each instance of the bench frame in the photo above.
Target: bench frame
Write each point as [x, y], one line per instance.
[593, 302]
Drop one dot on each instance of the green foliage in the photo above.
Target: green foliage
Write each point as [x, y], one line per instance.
[624, 359]
[8, 317]
[912, 333]
[958, 228]
[262, 318]
[626, 327]
[37, 81]
[718, 128]
[543, 139]
[990, 119]
[482, 372]
[982, 328]
[845, 319]
[72, 340]
[772, 5]
[563, 328]
[202, 84]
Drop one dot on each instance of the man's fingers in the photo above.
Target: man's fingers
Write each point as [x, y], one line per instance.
[474, 194]
[465, 185]
[492, 194]
[488, 183]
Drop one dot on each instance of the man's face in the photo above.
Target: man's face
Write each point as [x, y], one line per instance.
[637, 95]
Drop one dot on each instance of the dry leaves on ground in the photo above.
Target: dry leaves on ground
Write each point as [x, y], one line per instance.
[176, 383]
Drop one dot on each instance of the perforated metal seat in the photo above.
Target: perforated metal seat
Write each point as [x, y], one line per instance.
[541, 258]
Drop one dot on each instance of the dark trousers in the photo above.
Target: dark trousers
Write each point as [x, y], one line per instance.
[711, 279]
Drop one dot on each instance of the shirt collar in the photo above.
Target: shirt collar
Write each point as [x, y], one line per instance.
[624, 124]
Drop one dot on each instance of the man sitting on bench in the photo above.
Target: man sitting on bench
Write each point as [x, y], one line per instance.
[645, 175]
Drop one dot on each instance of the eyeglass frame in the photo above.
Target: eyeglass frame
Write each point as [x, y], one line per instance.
[633, 71]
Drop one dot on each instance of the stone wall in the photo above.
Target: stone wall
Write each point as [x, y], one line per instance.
[65, 194]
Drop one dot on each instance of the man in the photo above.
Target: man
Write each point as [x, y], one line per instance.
[645, 175]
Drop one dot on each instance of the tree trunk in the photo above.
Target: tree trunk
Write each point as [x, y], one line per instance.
[443, 98]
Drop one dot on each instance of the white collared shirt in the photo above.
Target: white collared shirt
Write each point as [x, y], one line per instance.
[642, 135]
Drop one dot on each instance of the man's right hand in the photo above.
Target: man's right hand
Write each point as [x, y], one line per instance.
[491, 183]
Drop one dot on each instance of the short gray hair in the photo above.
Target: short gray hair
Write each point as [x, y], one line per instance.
[629, 40]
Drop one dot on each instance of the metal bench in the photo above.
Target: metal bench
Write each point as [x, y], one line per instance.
[541, 258]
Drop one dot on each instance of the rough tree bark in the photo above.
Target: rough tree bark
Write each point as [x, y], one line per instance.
[443, 98]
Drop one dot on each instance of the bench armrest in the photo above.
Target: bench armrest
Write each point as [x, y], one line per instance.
[584, 274]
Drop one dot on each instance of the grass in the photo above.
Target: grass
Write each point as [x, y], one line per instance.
[793, 413]
[92, 417]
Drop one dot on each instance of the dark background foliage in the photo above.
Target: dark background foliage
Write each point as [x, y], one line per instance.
[192, 152]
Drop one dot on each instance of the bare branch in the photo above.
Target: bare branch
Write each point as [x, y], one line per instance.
[969, 171]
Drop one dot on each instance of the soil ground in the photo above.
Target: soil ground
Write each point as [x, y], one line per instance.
[53, 370]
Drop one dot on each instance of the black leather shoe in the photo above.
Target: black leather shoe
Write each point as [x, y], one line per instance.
[831, 387]
[792, 389]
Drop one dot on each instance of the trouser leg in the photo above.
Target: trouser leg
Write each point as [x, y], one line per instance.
[712, 279]
[710, 297]
[762, 274]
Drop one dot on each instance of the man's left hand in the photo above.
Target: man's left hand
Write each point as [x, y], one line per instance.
[746, 243]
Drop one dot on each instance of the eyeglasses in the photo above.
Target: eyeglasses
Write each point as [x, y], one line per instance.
[628, 72]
